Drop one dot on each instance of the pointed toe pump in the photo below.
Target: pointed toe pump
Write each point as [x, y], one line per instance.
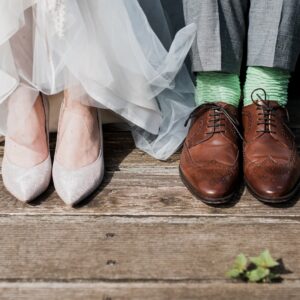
[26, 183]
[74, 184]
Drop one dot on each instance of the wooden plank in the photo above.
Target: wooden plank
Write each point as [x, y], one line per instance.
[154, 189]
[147, 195]
[119, 248]
[148, 291]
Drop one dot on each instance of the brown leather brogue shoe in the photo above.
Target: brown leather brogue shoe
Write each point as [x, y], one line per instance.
[209, 163]
[271, 161]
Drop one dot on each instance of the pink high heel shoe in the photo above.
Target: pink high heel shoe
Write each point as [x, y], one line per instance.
[73, 183]
[27, 183]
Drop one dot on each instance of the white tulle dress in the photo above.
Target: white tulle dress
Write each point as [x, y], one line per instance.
[107, 54]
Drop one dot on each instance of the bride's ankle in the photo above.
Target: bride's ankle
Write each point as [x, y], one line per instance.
[26, 124]
[76, 106]
[27, 141]
[78, 140]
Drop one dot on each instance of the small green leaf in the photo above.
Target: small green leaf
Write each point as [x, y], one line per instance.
[239, 266]
[233, 273]
[240, 262]
[265, 260]
[258, 274]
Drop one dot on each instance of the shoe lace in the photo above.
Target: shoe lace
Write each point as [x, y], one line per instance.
[266, 113]
[216, 123]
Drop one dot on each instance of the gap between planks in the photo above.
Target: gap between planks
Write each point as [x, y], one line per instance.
[160, 291]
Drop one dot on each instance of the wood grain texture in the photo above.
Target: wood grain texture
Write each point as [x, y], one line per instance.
[141, 235]
[154, 189]
[148, 291]
[151, 197]
[122, 248]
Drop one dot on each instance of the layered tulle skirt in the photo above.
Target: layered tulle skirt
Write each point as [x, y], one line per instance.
[106, 54]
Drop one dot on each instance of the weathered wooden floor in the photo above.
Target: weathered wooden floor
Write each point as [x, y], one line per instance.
[141, 236]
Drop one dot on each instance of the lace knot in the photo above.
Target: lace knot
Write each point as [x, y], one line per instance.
[266, 114]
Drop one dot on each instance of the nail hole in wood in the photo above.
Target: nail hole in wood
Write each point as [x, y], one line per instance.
[110, 235]
[111, 262]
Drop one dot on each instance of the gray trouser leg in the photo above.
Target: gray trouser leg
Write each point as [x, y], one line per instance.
[274, 33]
[221, 33]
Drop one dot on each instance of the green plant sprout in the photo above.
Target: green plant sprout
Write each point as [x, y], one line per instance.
[255, 269]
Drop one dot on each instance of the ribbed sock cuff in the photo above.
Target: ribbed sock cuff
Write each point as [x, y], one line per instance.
[218, 87]
[274, 81]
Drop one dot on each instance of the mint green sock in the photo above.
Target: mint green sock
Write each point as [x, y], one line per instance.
[274, 81]
[218, 87]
